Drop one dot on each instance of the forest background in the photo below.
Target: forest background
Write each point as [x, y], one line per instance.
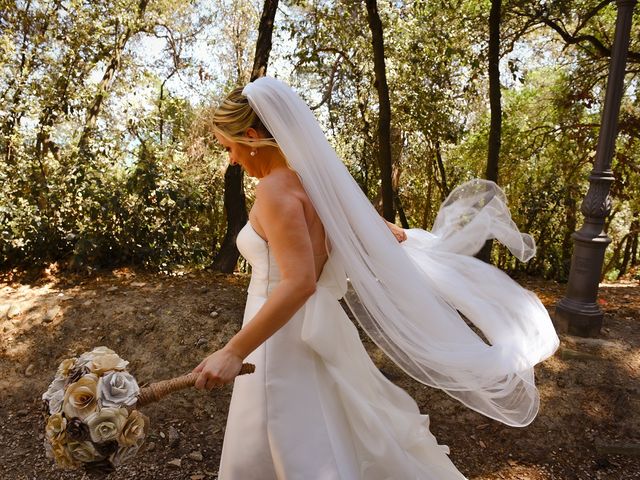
[105, 161]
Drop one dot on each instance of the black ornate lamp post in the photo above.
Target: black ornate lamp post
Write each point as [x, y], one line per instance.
[578, 313]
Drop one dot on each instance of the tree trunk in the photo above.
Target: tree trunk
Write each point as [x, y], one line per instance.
[397, 143]
[384, 125]
[403, 217]
[614, 260]
[495, 104]
[627, 256]
[634, 250]
[571, 223]
[263, 46]
[235, 206]
[368, 138]
[629, 253]
[444, 188]
[235, 203]
[494, 91]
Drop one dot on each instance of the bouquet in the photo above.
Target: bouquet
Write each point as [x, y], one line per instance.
[91, 410]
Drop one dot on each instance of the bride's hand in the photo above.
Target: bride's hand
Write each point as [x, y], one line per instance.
[218, 369]
[397, 231]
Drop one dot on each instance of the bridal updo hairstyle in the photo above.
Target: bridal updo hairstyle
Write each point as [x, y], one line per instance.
[234, 116]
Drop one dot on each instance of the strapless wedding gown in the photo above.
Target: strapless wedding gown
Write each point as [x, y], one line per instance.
[317, 408]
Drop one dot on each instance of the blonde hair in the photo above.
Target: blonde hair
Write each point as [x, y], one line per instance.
[234, 116]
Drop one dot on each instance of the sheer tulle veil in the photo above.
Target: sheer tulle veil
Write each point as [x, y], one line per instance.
[417, 299]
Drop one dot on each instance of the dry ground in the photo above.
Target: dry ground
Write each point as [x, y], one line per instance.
[587, 428]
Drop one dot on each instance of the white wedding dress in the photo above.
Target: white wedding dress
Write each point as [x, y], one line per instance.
[316, 407]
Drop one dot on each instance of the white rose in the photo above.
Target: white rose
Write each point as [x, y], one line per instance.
[56, 385]
[55, 394]
[107, 423]
[55, 402]
[116, 389]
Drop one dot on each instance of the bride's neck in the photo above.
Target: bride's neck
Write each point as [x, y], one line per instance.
[272, 159]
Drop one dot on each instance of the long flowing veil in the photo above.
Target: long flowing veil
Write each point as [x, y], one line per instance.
[417, 299]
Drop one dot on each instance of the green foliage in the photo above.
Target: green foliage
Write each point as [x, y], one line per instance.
[436, 67]
[94, 170]
[95, 124]
[150, 213]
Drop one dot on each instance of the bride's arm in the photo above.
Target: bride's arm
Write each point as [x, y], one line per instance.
[285, 226]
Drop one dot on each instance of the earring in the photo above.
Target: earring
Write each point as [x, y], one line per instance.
[253, 153]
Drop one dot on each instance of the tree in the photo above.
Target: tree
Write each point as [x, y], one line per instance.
[76, 131]
[133, 195]
[108, 77]
[265, 33]
[384, 120]
[494, 92]
[495, 129]
[234, 197]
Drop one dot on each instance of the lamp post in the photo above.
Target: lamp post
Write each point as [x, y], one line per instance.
[578, 313]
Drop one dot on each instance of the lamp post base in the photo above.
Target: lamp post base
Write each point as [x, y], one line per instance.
[578, 318]
[578, 313]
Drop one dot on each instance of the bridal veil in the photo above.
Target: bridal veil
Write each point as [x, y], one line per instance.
[448, 319]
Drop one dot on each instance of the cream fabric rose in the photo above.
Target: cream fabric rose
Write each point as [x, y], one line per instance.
[80, 398]
[102, 359]
[56, 425]
[83, 451]
[65, 367]
[135, 429]
[116, 389]
[124, 454]
[104, 363]
[85, 359]
[60, 454]
[107, 424]
[96, 352]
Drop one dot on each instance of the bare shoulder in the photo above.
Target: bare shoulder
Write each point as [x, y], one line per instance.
[279, 191]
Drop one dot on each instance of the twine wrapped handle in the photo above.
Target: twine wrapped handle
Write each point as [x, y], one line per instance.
[158, 390]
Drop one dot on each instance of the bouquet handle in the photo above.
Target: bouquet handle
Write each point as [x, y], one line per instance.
[158, 390]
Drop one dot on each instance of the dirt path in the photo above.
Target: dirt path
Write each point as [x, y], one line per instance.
[590, 390]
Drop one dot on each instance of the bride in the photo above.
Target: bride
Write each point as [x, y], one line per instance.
[316, 406]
